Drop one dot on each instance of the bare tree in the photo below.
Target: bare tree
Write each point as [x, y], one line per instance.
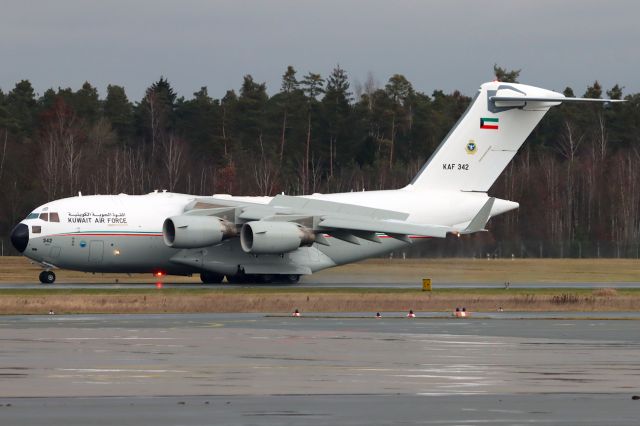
[71, 159]
[101, 136]
[135, 166]
[315, 175]
[60, 150]
[263, 172]
[154, 118]
[4, 153]
[602, 137]
[313, 86]
[49, 168]
[173, 149]
[568, 148]
[548, 167]
[370, 87]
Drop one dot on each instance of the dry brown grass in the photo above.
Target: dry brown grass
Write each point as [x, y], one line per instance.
[605, 292]
[316, 302]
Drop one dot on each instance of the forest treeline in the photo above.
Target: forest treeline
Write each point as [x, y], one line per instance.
[577, 178]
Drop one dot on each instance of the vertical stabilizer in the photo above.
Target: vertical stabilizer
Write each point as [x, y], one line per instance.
[486, 137]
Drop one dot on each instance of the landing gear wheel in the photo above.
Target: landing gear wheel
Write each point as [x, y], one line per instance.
[211, 278]
[292, 278]
[236, 279]
[266, 278]
[47, 277]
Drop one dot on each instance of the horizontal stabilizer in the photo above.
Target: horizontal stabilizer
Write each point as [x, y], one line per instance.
[549, 99]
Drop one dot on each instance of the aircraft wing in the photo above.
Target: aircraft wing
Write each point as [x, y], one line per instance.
[401, 230]
[347, 222]
[384, 226]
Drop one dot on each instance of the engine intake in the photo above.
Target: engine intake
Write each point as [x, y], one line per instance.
[261, 237]
[196, 231]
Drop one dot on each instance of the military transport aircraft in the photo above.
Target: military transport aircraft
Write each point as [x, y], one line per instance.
[264, 239]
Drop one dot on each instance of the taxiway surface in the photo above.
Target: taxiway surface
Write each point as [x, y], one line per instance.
[507, 368]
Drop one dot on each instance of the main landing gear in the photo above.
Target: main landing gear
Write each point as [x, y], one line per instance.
[47, 277]
[214, 278]
[263, 278]
[291, 278]
[211, 278]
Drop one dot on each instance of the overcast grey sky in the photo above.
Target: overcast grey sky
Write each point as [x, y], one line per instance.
[436, 44]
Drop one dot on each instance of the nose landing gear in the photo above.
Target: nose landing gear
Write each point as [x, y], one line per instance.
[47, 277]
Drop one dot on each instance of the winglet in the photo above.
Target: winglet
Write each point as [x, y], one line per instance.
[481, 218]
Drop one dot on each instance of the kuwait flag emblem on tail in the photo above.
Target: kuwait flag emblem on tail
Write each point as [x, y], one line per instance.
[489, 123]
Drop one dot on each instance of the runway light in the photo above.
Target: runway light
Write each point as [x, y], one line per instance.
[158, 274]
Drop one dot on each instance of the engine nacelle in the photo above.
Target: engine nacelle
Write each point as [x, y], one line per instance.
[262, 237]
[196, 231]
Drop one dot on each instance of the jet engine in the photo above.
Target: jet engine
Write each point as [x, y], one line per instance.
[187, 231]
[262, 237]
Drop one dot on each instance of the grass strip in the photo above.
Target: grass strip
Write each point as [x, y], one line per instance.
[204, 300]
[46, 291]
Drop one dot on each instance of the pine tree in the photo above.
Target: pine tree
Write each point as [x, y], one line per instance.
[119, 111]
[336, 110]
[290, 86]
[399, 90]
[594, 91]
[156, 111]
[505, 76]
[86, 102]
[21, 108]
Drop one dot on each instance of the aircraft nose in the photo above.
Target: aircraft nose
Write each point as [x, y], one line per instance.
[20, 237]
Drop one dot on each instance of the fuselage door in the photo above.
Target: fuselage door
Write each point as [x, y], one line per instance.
[96, 251]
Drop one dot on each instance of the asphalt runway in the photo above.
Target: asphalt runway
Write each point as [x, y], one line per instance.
[312, 283]
[495, 368]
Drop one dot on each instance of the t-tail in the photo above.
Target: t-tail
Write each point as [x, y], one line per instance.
[487, 136]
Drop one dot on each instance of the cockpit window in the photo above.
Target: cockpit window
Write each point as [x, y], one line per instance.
[36, 229]
[53, 217]
[32, 216]
[44, 216]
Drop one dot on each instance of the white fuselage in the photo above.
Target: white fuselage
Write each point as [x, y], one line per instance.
[123, 233]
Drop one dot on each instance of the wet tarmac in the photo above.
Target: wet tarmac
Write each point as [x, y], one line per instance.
[493, 368]
[539, 409]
